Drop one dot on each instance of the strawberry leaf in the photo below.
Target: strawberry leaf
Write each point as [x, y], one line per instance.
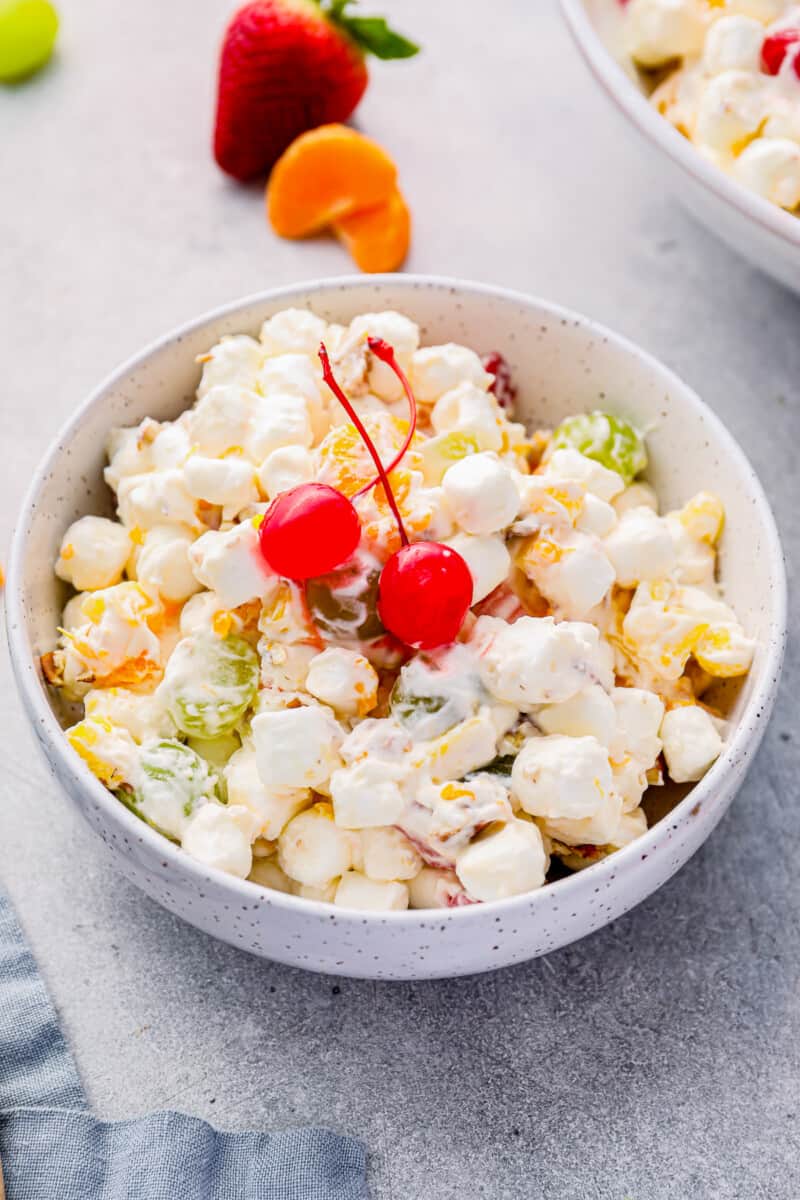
[372, 34]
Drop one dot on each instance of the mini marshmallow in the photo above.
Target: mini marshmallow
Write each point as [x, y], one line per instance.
[597, 517]
[641, 547]
[232, 565]
[343, 679]
[234, 361]
[387, 854]
[279, 420]
[219, 836]
[574, 467]
[590, 713]
[272, 807]
[770, 166]
[598, 829]
[357, 891]
[163, 566]
[733, 43]
[731, 109]
[437, 369]
[639, 715]
[691, 742]
[227, 482]
[503, 862]
[570, 569]
[313, 850]
[93, 553]
[220, 420]
[156, 499]
[285, 468]
[298, 747]
[369, 793]
[171, 446]
[293, 331]
[561, 777]
[481, 493]
[487, 558]
[437, 887]
[538, 660]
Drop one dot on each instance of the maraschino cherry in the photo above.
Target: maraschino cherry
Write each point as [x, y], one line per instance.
[424, 592]
[502, 386]
[425, 589]
[309, 530]
[775, 48]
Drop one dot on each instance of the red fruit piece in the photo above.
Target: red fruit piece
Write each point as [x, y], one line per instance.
[287, 66]
[308, 531]
[503, 388]
[775, 49]
[424, 594]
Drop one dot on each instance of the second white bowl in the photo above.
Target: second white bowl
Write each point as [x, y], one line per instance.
[764, 234]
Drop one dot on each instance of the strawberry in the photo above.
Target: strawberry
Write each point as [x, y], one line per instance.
[287, 66]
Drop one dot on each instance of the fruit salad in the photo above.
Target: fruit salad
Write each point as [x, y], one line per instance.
[357, 634]
[726, 74]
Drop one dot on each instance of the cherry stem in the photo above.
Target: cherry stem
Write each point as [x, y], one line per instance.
[327, 375]
[385, 353]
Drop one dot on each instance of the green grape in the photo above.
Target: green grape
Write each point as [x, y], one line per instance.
[500, 767]
[209, 683]
[609, 440]
[344, 604]
[216, 751]
[27, 34]
[435, 691]
[174, 781]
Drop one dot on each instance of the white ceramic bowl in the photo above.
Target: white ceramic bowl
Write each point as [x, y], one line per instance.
[766, 235]
[563, 363]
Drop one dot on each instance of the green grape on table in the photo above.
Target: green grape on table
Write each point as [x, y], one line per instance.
[209, 683]
[609, 440]
[27, 35]
[174, 780]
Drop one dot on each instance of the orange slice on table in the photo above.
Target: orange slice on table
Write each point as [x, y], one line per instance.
[377, 238]
[325, 176]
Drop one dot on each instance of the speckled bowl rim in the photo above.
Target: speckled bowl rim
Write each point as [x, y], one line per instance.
[746, 735]
[610, 75]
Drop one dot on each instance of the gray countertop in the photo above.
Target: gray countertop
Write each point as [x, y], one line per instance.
[657, 1060]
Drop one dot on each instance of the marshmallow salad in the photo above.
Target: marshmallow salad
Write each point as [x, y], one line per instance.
[357, 635]
[725, 74]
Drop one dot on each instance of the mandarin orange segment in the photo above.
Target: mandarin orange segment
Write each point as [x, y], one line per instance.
[324, 176]
[378, 237]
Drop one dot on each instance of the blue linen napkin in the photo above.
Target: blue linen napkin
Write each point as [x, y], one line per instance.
[52, 1146]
